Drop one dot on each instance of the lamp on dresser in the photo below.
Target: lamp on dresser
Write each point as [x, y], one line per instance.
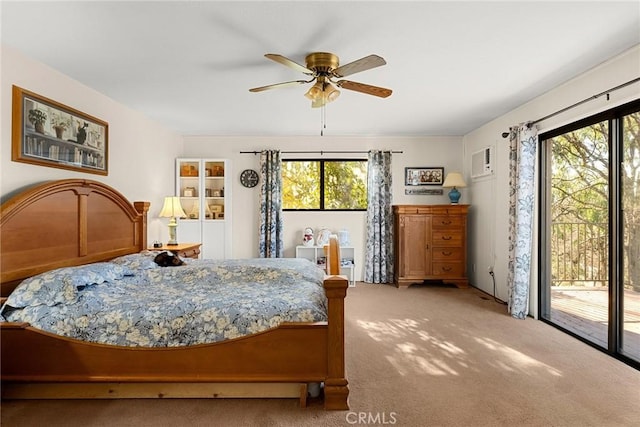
[172, 209]
[453, 181]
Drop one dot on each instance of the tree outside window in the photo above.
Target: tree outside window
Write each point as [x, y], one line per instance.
[335, 185]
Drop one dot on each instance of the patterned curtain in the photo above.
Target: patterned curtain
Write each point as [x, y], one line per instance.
[522, 162]
[271, 243]
[378, 263]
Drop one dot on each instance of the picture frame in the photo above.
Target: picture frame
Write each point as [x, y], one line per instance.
[48, 133]
[423, 176]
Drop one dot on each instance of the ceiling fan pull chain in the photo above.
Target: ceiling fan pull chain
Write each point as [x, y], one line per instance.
[323, 119]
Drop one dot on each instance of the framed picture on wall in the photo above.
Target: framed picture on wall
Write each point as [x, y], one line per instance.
[423, 176]
[47, 133]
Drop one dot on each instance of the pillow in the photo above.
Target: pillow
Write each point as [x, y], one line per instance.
[139, 261]
[44, 289]
[60, 286]
[98, 272]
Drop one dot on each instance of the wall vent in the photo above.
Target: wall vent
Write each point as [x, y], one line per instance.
[482, 163]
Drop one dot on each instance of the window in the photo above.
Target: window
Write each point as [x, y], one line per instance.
[590, 229]
[336, 185]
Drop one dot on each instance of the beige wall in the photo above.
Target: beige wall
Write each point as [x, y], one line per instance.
[141, 152]
[142, 159]
[416, 151]
[490, 197]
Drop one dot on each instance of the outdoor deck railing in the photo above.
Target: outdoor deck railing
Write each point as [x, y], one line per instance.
[579, 254]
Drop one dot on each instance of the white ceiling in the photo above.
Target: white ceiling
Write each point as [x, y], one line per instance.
[453, 66]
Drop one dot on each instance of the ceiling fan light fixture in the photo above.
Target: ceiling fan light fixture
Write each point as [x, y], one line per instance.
[314, 91]
[331, 93]
[322, 92]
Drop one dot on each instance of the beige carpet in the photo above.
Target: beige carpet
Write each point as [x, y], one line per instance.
[423, 356]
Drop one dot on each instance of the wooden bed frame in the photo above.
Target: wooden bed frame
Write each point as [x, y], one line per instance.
[75, 221]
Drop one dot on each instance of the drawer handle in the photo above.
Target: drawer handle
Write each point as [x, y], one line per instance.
[446, 268]
[446, 222]
[446, 253]
[446, 237]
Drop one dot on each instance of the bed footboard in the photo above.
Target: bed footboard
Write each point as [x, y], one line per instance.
[291, 353]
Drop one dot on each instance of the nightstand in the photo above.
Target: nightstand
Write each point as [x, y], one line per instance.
[183, 250]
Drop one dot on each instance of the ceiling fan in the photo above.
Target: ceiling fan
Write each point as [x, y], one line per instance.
[324, 68]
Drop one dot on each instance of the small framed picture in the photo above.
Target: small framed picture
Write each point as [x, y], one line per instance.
[423, 176]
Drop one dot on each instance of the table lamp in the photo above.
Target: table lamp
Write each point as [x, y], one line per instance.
[454, 180]
[172, 209]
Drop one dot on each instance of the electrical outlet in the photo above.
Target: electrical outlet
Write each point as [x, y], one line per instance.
[490, 269]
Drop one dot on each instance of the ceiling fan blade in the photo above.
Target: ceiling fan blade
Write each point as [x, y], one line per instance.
[288, 63]
[362, 64]
[279, 85]
[363, 88]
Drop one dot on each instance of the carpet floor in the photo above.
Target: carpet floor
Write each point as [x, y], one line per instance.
[423, 356]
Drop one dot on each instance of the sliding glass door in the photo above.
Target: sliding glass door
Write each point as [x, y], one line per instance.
[590, 230]
[630, 222]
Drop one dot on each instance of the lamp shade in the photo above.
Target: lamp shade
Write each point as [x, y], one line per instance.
[314, 91]
[454, 179]
[172, 208]
[331, 93]
[322, 92]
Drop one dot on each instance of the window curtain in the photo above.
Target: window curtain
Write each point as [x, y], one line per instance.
[271, 225]
[379, 241]
[522, 162]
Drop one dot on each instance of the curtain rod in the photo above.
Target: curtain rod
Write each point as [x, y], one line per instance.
[591, 98]
[319, 152]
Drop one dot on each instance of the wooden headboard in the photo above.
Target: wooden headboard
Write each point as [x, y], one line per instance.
[65, 223]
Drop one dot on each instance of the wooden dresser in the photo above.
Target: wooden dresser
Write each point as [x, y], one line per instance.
[430, 244]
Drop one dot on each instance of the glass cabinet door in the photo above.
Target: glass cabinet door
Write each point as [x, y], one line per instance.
[214, 197]
[189, 188]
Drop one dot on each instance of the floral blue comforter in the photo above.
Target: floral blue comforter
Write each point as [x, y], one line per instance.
[133, 302]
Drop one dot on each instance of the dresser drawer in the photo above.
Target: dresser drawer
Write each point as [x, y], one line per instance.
[451, 269]
[446, 221]
[446, 238]
[448, 210]
[447, 253]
